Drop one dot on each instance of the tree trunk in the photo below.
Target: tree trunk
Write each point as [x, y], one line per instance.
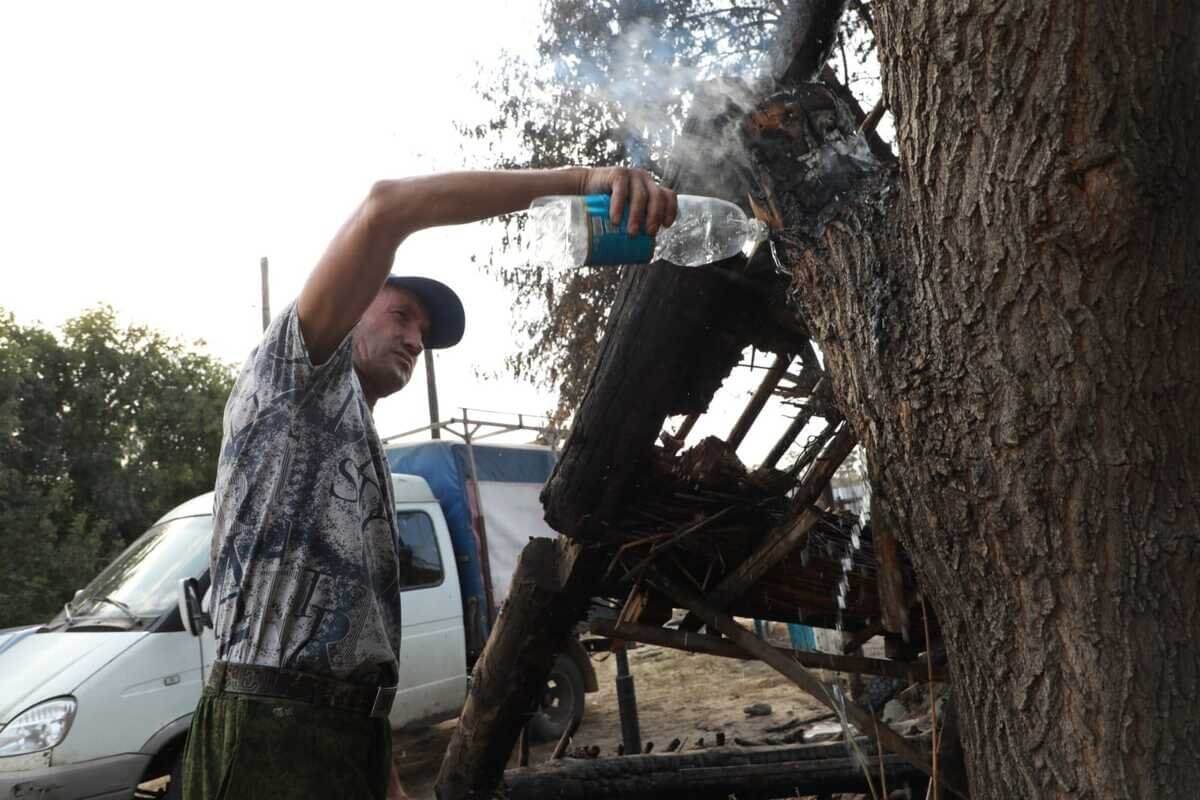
[1013, 333]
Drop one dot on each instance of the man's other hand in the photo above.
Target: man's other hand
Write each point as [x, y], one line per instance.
[650, 206]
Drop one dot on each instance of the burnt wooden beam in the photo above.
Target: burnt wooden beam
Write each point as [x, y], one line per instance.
[640, 379]
[863, 720]
[776, 546]
[913, 672]
[758, 400]
[802, 418]
[748, 773]
[673, 334]
[549, 595]
[686, 426]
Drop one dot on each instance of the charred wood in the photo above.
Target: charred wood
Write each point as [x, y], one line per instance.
[758, 401]
[718, 773]
[550, 593]
[783, 541]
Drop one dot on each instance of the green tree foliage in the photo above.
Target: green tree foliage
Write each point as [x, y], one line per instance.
[611, 83]
[102, 429]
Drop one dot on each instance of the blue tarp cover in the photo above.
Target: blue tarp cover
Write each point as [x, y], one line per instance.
[445, 466]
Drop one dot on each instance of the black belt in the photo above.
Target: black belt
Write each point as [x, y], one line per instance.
[370, 701]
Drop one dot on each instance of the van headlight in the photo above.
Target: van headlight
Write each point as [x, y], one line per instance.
[38, 728]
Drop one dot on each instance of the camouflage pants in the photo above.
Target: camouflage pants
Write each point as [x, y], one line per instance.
[261, 748]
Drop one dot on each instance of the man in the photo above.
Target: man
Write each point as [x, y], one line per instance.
[304, 565]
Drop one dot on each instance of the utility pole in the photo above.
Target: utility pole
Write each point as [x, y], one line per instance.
[266, 294]
[431, 385]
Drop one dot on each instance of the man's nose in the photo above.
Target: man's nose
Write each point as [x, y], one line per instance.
[413, 342]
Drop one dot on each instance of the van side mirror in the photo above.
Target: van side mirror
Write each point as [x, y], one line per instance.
[195, 618]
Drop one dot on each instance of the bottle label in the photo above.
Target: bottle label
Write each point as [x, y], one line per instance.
[610, 244]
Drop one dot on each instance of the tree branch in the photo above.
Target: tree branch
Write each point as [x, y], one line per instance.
[806, 36]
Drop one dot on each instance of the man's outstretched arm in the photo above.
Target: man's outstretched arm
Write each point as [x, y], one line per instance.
[359, 258]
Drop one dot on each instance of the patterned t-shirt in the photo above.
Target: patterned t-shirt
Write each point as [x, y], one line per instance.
[304, 565]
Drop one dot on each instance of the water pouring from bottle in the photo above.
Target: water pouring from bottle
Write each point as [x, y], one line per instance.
[571, 231]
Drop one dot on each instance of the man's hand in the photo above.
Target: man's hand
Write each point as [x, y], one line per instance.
[650, 206]
[358, 259]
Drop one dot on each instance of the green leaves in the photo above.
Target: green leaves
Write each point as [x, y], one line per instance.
[102, 429]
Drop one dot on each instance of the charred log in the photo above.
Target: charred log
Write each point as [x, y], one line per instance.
[717, 773]
[550, 592]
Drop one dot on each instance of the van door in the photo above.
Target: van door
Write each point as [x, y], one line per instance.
[208, 641]
[433, 657]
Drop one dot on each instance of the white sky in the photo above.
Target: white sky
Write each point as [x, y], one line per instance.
[151, 153]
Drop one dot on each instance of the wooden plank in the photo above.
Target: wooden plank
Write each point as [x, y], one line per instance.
[758, 401]
[717, 646]
[861, 719]
[771, 552]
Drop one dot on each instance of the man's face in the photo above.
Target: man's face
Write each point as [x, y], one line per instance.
[388, 341]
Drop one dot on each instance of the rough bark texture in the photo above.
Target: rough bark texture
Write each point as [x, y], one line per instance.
[1011, 321]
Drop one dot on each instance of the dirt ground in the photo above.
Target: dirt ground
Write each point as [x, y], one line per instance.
[680, 695]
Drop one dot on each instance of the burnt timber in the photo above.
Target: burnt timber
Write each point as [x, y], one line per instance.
[654, 526]
[748, 773]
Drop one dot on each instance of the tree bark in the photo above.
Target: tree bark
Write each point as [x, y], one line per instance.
[1012, 328]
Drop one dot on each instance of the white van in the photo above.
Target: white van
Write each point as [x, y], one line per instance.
[100, 699]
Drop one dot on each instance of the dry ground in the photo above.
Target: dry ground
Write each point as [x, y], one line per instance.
[680, 695]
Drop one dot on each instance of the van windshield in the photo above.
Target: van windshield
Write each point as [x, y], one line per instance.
[141, 583]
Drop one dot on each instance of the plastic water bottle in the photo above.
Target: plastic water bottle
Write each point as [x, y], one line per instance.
[575, 231]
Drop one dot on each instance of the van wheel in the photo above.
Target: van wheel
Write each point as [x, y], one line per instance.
[562, 701]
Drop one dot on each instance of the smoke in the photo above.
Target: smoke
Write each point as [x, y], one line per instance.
[675, 96]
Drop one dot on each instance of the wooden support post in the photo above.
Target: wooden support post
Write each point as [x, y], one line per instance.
[892, 602]
[863, 720]
[551, 587]
[776, 546]
[916, 672]
[758, 401]
[631, 736]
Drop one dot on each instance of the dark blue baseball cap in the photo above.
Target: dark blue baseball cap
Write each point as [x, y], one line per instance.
[446, 316]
